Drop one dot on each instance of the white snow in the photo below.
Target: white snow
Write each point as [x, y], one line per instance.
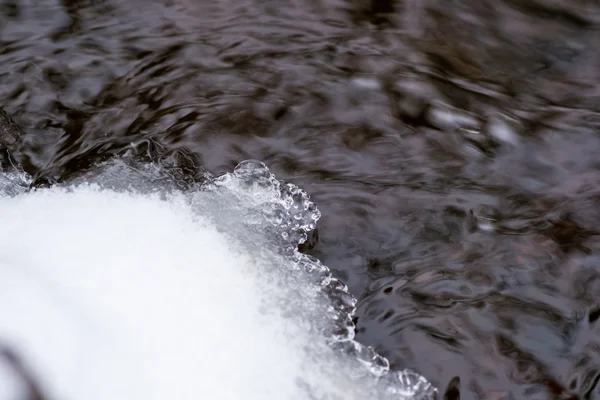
[112, 295]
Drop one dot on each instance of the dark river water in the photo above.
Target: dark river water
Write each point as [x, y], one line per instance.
[452, 147]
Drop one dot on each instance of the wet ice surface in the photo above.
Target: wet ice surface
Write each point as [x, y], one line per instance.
[451, 146]
[129, 288]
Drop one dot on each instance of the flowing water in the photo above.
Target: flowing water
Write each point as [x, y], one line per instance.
[450, 146]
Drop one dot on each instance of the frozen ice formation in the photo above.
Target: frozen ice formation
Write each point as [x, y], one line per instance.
[261, 219]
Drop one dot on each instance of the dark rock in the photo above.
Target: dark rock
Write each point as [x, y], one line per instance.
[10, 133]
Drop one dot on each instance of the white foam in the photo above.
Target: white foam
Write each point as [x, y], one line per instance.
[120, 295]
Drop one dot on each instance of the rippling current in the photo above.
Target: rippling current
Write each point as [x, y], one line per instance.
[451, 147]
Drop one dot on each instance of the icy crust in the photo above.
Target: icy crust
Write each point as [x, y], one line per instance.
[286, 207]
[292, 215]
[14, 183]
[275, 217]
